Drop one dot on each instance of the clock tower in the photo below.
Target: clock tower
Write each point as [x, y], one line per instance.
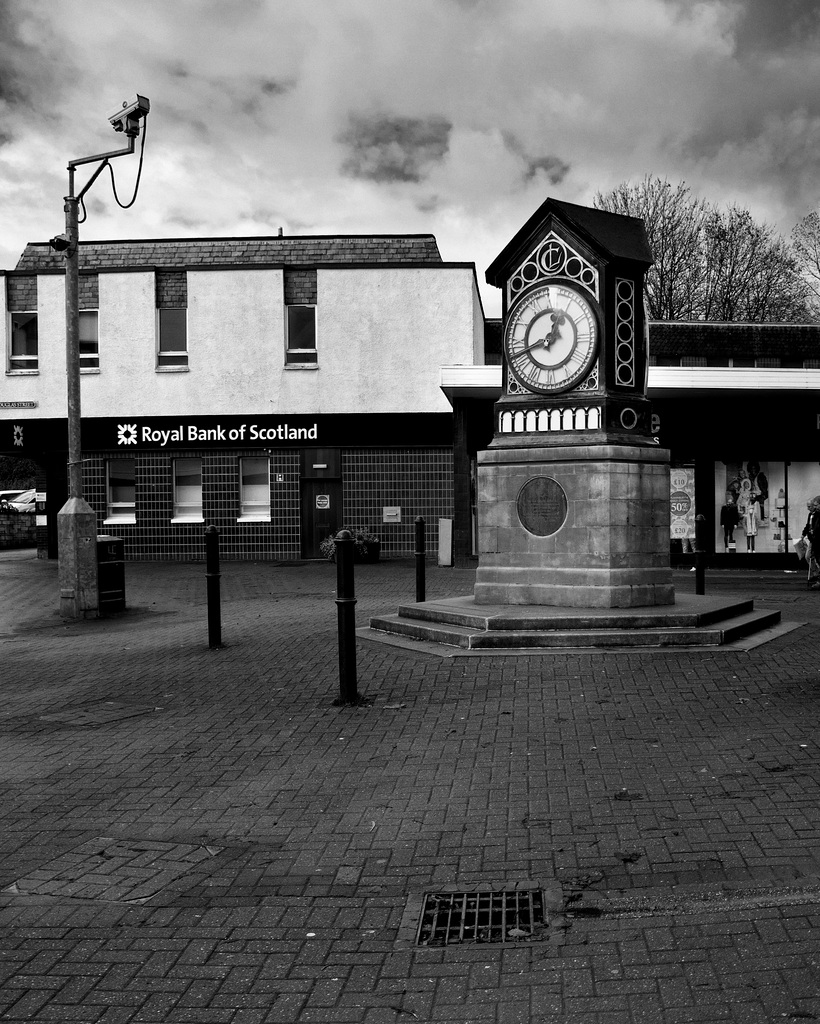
[573, 492]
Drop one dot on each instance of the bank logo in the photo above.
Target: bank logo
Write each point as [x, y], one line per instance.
[18, 435]
[126, 433]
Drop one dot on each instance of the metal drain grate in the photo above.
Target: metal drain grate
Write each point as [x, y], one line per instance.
[506, 916]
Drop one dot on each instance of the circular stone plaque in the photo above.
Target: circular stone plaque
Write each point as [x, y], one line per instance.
[542, 506]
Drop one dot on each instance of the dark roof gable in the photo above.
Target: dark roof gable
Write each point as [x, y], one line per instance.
[302, 250]
[620, 236]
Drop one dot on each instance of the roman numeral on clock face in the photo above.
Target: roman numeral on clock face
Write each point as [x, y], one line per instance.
[531, 375]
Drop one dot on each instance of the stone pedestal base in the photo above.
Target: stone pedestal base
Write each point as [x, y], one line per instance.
[580, 527]
[77, 559]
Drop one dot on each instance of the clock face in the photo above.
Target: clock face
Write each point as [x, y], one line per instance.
[551, 338]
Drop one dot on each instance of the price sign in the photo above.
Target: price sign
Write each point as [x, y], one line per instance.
[681, 503]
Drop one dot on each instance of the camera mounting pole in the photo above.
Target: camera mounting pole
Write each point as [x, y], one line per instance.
[76, 520]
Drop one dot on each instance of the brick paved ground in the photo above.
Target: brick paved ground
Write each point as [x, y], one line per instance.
[194, 836]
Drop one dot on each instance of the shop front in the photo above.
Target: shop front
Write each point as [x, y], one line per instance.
[745, 455]
[748, 463]
[274, 486]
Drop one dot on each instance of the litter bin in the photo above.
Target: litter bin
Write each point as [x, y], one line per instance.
[110, 574]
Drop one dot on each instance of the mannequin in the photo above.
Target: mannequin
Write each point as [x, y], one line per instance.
[750, 526]
[729, 518]
[760, 486]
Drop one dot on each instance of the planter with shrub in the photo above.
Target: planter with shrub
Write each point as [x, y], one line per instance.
[366, 546]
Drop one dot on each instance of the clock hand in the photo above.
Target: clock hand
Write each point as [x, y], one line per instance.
[558, 319]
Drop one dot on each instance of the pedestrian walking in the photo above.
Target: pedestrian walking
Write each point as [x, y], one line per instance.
[811, 534]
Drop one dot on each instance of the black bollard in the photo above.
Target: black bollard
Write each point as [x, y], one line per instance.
[420, 553]
[346, 605]
[700, 555]
[212, 575]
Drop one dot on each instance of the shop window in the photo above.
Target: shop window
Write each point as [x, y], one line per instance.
[254, 489]
[121, 489]
[172, 339]
[693, 361]
[188, 490]
[23, 347]
[89, 340]
[765, 362]
[750, 507]
[301, 335]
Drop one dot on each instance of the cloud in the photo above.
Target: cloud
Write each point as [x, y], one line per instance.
[553, 168]
[387, 149]
[456, 117]
[766, 27]
[273, 88]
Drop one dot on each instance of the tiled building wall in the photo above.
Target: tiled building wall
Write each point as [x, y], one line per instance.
[89, 291]
[17, 530]
[171, 289]
[155, 537]
[300, 286]
[419, 481]
[22, 294]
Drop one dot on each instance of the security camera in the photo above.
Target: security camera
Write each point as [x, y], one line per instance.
[127, 116]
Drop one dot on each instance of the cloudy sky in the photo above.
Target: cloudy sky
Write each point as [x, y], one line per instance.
[453, 117]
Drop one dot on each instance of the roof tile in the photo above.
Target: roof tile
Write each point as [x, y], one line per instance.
[728, 340]
[300, 250]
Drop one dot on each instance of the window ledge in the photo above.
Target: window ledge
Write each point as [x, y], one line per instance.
[120, 521]
[188, 519]
[301, 366]
[173, 369]
[89, 369]
[253, 519]
[22, 373]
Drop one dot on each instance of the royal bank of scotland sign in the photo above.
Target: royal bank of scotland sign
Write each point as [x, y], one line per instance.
[134, 433]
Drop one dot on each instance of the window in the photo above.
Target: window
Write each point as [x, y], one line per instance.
[188, 490]
[301, 334]
[254, 489]
[121, 506]
[23, 351]
[172, 344]
[89, 340]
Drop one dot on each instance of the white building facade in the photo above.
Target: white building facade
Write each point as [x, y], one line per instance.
[276, 388]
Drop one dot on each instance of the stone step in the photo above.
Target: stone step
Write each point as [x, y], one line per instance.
[465, 613]
[740, 620]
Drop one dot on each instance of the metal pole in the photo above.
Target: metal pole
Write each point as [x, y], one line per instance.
[700, 555]
[420, 553]
[212, 575]
[346, 605]
[72, 341]
[76, 520]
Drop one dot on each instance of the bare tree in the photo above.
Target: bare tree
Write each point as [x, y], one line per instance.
[750, 272]
[710, 264]
[674, 223]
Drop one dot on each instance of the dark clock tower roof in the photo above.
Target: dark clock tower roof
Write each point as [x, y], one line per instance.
[612, 234]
